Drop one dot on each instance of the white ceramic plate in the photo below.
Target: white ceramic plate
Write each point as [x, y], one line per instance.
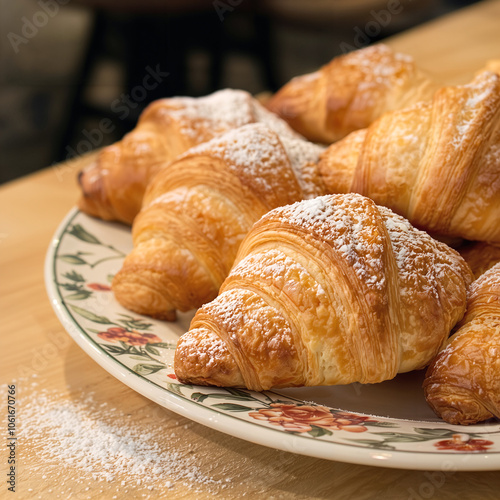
[387, 424]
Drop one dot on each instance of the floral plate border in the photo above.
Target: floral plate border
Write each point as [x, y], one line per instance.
[81, 260]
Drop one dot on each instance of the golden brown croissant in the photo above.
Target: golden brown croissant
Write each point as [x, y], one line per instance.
[198, 209]
[436, 163]
[350, 93]
[326, 291]
[113, 185]
[462, 385]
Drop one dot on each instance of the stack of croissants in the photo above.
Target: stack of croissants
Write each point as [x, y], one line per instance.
[345, 229]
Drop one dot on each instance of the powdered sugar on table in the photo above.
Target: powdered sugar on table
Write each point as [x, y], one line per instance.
[96, 443]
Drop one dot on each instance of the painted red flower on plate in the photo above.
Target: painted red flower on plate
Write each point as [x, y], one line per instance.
[302, 418]
[457, 443]
[131, 337]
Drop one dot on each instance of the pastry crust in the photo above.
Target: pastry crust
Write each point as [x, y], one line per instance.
[113, 186]
[435, 163]
[350, 93]
[198, 209]
[327, 291]
[462, 385]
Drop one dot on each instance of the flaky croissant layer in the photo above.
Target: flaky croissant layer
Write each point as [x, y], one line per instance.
[462, 384]
[435, 163]
[198, 209]
[351, 92]
[326, 291]
[113, 186]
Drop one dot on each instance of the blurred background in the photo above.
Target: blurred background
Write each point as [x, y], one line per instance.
[75, 74]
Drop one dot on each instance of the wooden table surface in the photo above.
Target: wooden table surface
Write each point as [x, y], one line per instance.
[40, 358]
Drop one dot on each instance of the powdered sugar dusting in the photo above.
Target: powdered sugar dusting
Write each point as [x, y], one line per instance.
[481, 90]
[381, 64]
[238, 310]
[476, 104]
[346, 223]
[220, 112]
[422, 261]
[230, 308]
[207, 347]
[278, 268]
[95, 441]
[257, 157]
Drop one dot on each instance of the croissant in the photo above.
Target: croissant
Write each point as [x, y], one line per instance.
[351, 92]
[198, 209]
[462, 384]
[327, 291]
[113, 186]
[436, 163]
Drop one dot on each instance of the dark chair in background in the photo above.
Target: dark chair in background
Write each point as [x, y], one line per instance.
[65, 81]
[148, 36]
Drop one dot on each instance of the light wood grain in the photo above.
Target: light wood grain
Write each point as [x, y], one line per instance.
[453, 48]
[35, 348]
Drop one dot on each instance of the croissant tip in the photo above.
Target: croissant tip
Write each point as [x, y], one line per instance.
[454, 404]
[201, 358]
